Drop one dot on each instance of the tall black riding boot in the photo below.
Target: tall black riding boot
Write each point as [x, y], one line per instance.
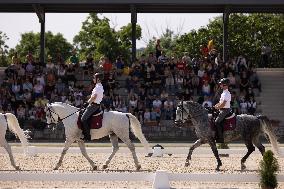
[86, 131]
[220, 138]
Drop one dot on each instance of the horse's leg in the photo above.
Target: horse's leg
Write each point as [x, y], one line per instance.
[9, 150]
[115, 147]
[250, 148]
[258, 144]
[195, 145]
[84, 153]
[212, 144]
[131, 147]
[67, 145]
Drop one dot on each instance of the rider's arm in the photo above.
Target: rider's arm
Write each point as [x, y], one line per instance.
[220, 105]
[92, 98]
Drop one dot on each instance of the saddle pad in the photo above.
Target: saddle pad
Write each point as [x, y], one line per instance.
[95, 121]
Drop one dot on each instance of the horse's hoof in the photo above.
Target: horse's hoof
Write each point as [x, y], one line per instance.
[217, 169]
[56, 168]
[95, 168]
[17, 168]
[138, 167]
[243, 167]
[186, 164]
[104, 166]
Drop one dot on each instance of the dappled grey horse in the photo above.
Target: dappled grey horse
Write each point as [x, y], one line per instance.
[115, 125]
[248, 127]
[10, 121]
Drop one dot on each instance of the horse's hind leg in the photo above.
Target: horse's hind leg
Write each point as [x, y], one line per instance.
[195, 145]
[250, 148]
[258, 144]
[131, 147]
[67, 145]
[7, 147]
[84, 153]
[115, 147]
[212, 144]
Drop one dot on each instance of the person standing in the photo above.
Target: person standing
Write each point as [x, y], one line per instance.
[93, 104]
[224, 107]
[158, 49]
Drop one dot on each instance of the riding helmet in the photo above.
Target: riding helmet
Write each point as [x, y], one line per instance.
[224, 81]
[99, 76]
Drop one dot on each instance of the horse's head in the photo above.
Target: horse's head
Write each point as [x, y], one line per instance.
[182, 114]
[51, 116]
[187, 112]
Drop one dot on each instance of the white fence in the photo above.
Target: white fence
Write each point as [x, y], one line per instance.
[160, 179]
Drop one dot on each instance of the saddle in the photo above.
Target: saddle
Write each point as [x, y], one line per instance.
[229, 123]
[95, 120]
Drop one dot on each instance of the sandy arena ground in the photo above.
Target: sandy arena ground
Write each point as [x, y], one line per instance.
[124, 163]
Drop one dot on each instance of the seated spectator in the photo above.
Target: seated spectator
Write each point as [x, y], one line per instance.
[122, 108]
[151, 58]
[163, 58]
[243, 106]
[60, 86]
[74, 58]
[254, 81]
[206, 89]
[232, 79]
[78, 102]
[107, 66]
[157, 103]
[207, 103]
[147, 115]
[244, 84]
[251, 105]
[21, 112]
[61, 72]
[164, 95]
[119, 63]
[49, 67]
[235, 103]
[133, 102]
[116, 101]
[40, 101]
[38, 90]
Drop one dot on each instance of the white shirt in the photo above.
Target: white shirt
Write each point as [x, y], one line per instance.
[226, 96]
[99, 91]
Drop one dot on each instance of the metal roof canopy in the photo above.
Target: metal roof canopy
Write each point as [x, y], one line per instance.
[144, 6]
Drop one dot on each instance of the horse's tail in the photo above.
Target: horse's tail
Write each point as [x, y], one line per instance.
[15, 128]
[267, 129]
[137, 131]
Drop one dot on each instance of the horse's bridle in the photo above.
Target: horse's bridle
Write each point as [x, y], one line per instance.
[50, 110]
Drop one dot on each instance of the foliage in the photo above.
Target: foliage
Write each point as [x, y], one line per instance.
[223, 146]
[3, 49]
[268, 168]
[54, 44]
[98, 38]
[167, 41]
[247, 33]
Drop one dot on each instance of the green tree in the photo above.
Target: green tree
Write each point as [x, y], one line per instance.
[98, 38]
[268, 168]
[30, 42]
[124, 37]
[247, 34]
[3, 49]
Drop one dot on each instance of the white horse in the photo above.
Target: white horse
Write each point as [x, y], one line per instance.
[9, 120]
[115, 124]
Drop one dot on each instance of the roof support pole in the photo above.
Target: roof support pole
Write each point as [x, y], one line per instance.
[41, 16]
[226, 16]
[133, 31]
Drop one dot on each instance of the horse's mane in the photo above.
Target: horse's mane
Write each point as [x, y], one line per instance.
[65, 104]
[195, 108]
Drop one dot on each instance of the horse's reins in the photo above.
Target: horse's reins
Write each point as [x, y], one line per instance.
[59, 119]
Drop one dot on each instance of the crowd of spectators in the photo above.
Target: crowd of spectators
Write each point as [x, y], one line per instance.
[153, 83]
